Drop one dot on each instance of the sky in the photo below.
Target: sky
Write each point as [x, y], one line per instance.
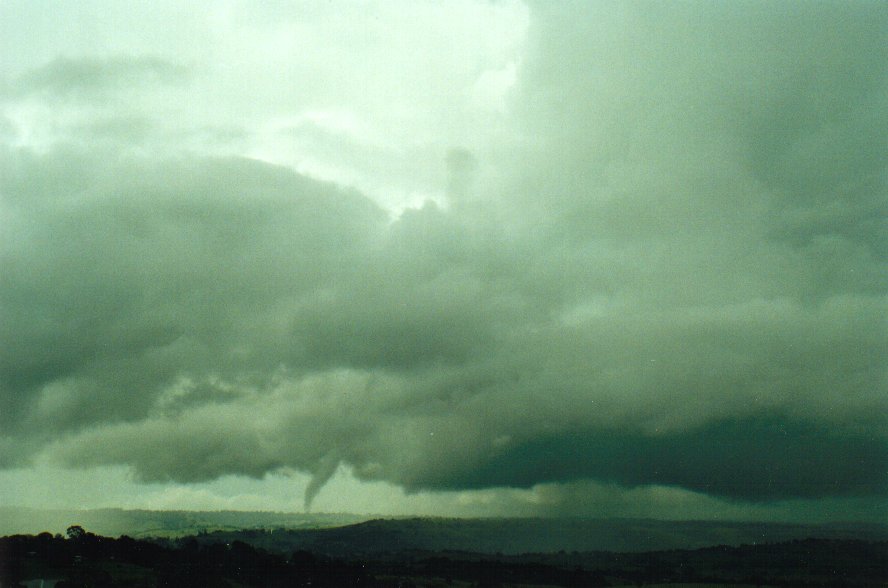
[462, 258]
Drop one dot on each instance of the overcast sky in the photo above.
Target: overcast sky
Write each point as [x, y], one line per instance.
[463, 257]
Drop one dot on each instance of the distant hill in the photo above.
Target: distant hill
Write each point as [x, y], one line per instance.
[348, 534]
[536, 535]
[113, 522]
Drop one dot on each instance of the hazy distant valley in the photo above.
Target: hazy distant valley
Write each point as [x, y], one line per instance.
[348, 534]
[114, 522]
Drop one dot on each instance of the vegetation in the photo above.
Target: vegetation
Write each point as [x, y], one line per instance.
[88, 560]
[83, 559]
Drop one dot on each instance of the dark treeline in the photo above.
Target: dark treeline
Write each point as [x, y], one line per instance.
[88, 560]
[83, 559]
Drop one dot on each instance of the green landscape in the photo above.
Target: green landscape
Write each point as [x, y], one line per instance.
[179, 548]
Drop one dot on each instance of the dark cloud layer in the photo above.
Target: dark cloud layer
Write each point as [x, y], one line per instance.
[754, 458]
[86, 78]
[681, 281]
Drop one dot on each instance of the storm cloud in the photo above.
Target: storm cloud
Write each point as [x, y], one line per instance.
[671, 271]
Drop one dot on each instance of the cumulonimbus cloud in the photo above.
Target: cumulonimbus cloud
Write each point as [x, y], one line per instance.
[665, 290]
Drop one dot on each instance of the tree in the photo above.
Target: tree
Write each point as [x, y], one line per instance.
[75, 532]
